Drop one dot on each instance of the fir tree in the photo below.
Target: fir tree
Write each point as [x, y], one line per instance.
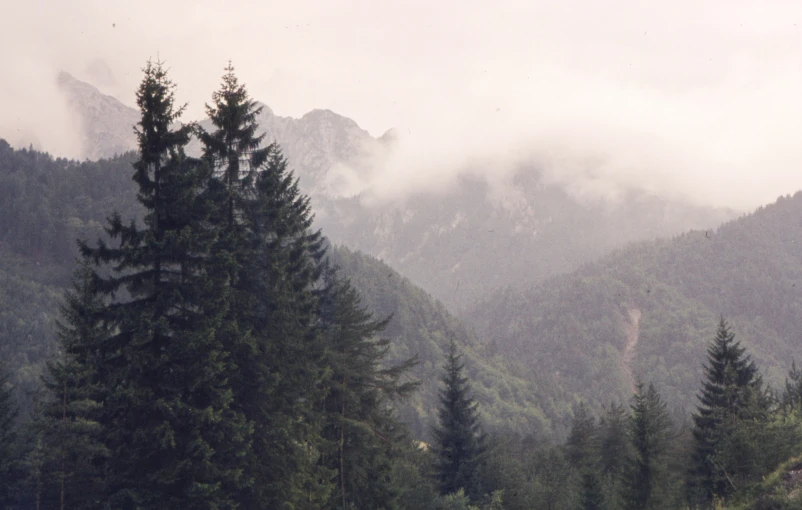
[459, 442]
[174, 439]
[233, 147]
[582, 449]
[732, 393]
[361, 425]
[649, 435]
[74, 452]
[10, 466]
[792, 397]
[582, 444]
[273, 265]
[614, 445]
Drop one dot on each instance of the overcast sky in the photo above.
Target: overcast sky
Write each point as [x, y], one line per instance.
[695, 98]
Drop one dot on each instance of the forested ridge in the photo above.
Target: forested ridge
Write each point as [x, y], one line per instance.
[203, 346]
[669, 294]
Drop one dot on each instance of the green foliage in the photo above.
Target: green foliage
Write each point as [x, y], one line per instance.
[364, 429]
[731, 406]
[159, 368]
[569, 334]
[11, 472]
[459, 443]
[421, 327]
[270, 263]
[649, 435]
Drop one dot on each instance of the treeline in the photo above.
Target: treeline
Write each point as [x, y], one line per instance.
[739, 449]
[211, 356]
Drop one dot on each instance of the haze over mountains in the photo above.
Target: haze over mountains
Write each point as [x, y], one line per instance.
[445, 237]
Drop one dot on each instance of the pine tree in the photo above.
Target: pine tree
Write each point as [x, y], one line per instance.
[732, 394]
[10, 468]
[615, 451]
[174, 439]
[459, 442]
[273, 269]
[614, 442]
[72, 437]
[649, 434]
[233, 148]
[582, 451]
[582, 444]
[792, 397]
[361, 426]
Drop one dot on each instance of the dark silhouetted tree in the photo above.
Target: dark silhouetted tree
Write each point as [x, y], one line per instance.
[459, 442]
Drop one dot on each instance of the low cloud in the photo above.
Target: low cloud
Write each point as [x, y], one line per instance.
[692, 100]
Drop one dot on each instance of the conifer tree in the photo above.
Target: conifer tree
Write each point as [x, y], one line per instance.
[361, 427]
[459, 442]
[233, 147]
[582, 449]
[615, 451]
[582, 444]
[73, 448]
[649, 434]
[792, 397]
[273, 269]
[732, 394]
[174, 440]
[614, 443]
[10, 469]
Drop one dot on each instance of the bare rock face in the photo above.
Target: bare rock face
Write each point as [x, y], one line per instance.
[316, 145]
[107, 125]
[320, 146]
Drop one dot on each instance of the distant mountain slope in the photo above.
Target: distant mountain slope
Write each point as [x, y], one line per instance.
[458, 245]
[463, 244]
[422, 327]
[107, 125]
[649, 310]
[46, 203]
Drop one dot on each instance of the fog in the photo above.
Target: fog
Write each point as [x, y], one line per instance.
[687, 98]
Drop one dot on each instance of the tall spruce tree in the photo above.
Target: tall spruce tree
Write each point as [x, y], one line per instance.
[732, 395]
[174, 440]
[582, 449]
[361, 427]
[615, 451]
[614, 445]
[649, 434]
[459, 443]
[272, 328]
[10, 465]
[73, 449]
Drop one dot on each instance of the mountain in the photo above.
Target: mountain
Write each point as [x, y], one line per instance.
[314, 144]
[464, 244]
[648, 311]
[47, 203]
[107, 125]
[458, 245]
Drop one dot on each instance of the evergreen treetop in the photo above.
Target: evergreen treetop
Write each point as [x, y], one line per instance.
[459, 442]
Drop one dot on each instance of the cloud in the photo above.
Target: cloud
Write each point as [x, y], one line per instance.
[693, 99]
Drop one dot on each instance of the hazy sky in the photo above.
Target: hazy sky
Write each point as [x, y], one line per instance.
[690, 97]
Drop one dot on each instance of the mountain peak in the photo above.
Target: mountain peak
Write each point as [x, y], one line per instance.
[107, 123]
[328, 116]
[266, 110]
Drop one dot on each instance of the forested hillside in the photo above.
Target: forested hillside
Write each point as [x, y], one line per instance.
[647, 311]
[69, 200]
